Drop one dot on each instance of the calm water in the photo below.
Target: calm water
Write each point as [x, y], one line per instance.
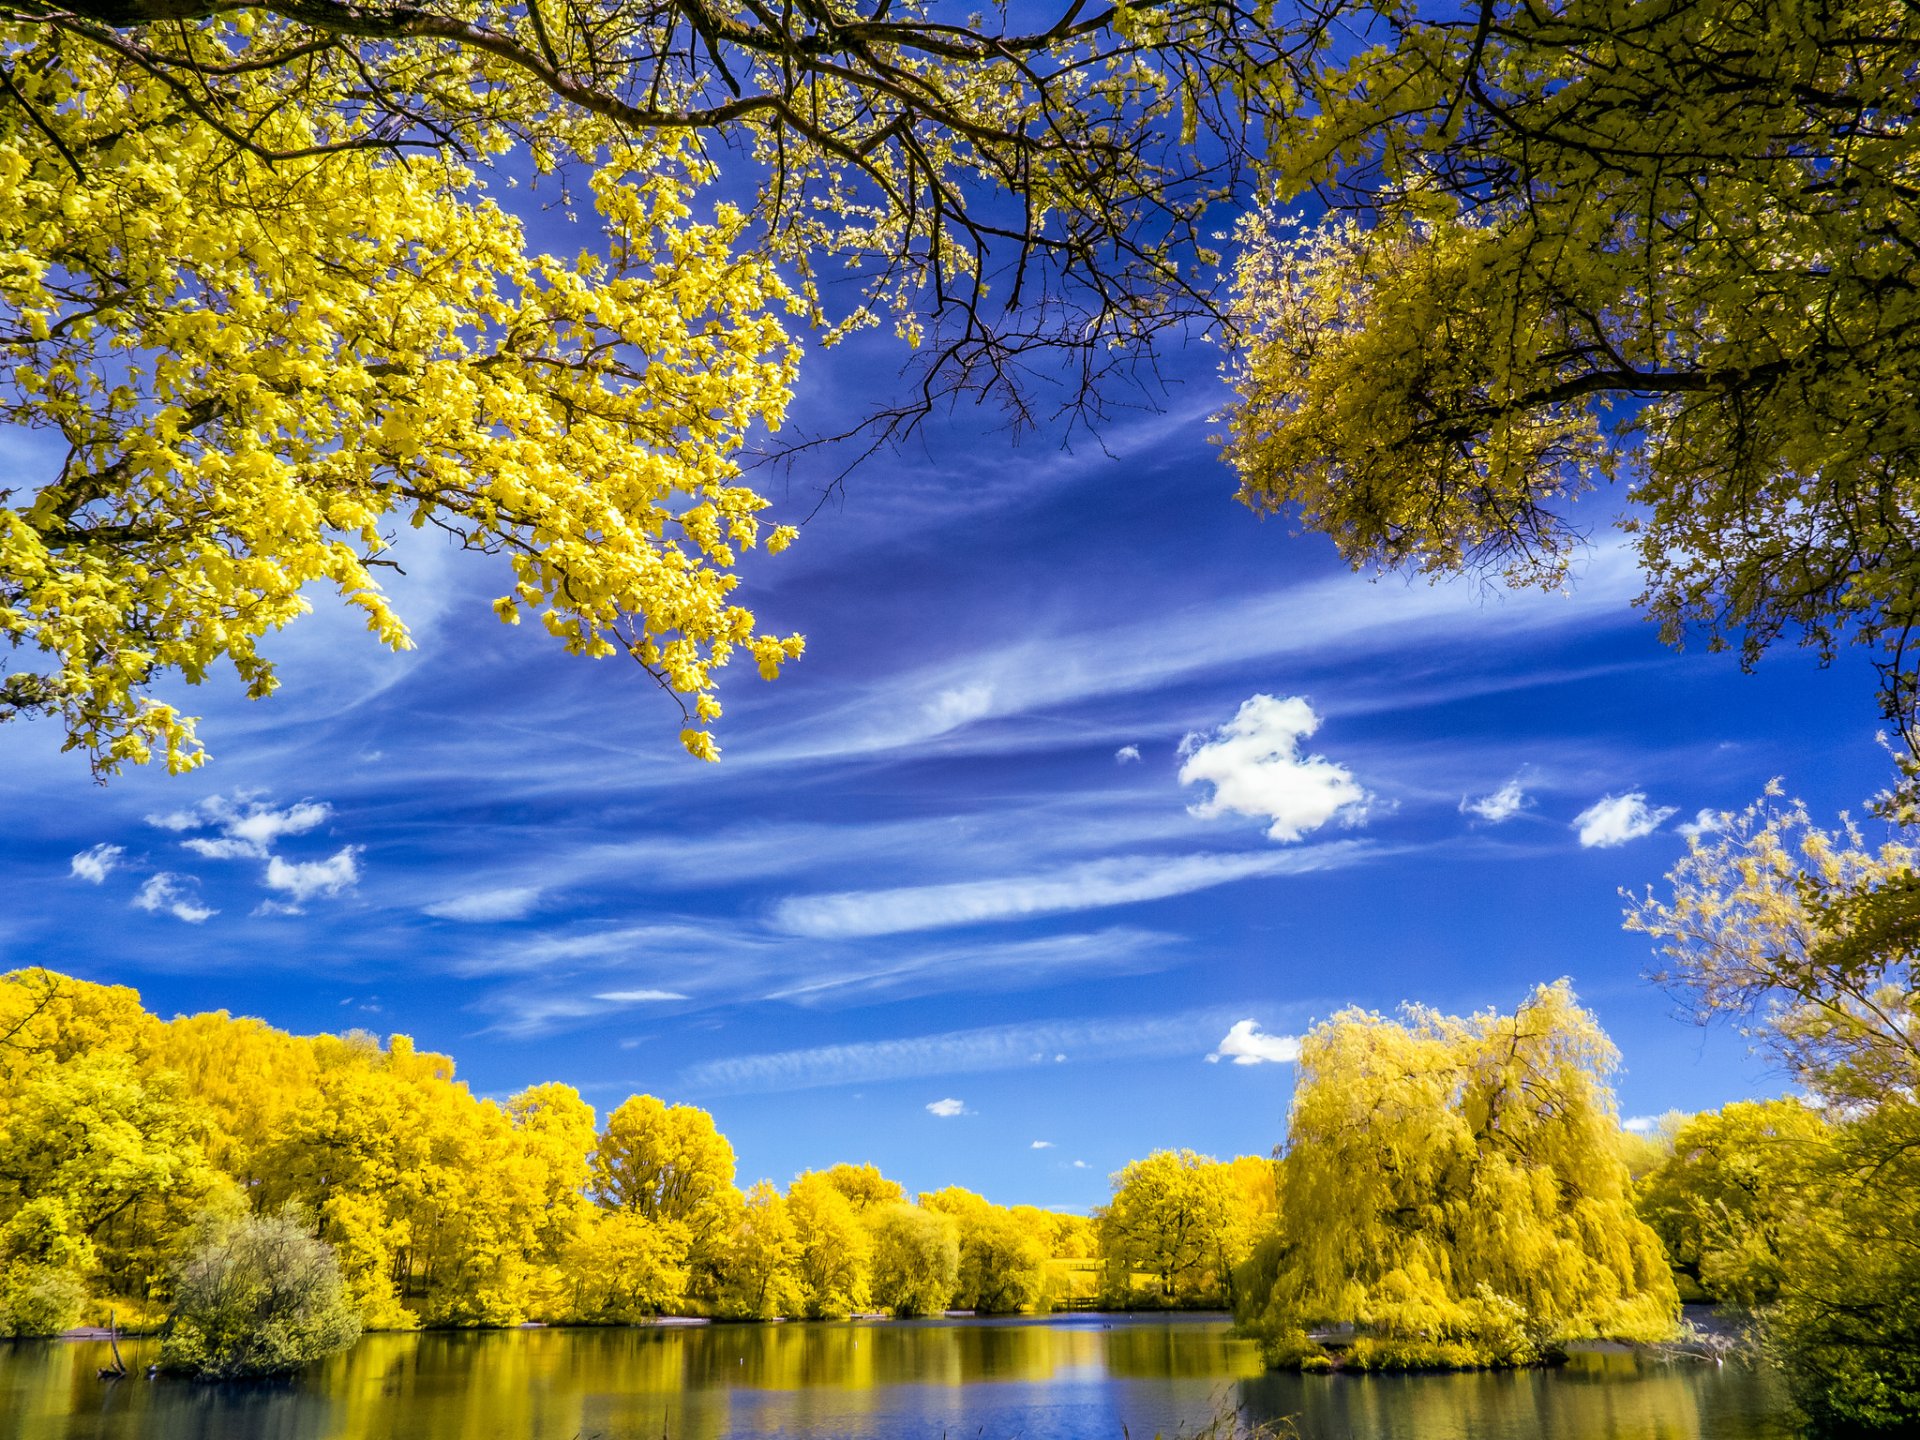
[1070, 1378]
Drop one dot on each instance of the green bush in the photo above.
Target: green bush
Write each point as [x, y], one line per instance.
[257, 1296]
[39, 1300]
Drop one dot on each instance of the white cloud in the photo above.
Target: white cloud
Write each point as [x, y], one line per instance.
[1041, 1145]
[1503, 804]
[96, 864]
[1079, 1164]
[505, 902]
[1121, 880]
[953, 708]
[947, 1109]
[961, 1052]
[1640, 1124]
[305, 879]
[637, 997]
[1245, 1044]
[1616, 819]
[167, 893]
[1707, 822]
[224, 848]
[1255, 767]
[1125, 754]
[1019, 964]
[247, 827]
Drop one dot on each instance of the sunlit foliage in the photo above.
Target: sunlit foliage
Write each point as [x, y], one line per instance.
[256, 1295]
[1182, 1223]
[1669, 243]
[1806, 937]
[267, 293]
[1453, 1189]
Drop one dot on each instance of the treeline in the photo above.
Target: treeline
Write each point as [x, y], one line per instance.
[1453, 1192]
[124, 1138]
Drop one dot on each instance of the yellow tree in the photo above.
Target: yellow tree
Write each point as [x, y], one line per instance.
[264, 293]
[1556, 246]
[1730, 1196]
[1807, 937]
[836, 1262]
[665, 1162]
[1182, 1219]
[760, 1261]
[916, 1259]
[1453, 1188]
[1003, 1262]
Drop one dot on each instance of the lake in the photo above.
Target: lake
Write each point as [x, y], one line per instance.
[1081, 1377]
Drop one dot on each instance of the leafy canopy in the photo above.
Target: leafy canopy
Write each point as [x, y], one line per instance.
[1671, 242]
[262, 300]
[1452, 1187]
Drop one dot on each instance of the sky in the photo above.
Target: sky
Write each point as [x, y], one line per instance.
[1092, 793]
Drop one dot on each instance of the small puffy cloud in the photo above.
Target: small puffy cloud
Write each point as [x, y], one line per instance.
[247, 828]
[170, 894]
[1079, 1164]
[504, 902]
[1041, 1145]
[1640, 1124]
[1245, 1044]
[303, 880]
[1616, 819]
[1255, 767]
[96, 864]
[1707, 822]
[1503, 804]
[1126, 754]
[947, 1109]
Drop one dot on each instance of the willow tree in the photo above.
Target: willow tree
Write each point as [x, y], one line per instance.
[1542, 248]
[1451, 1187]
[267, 297]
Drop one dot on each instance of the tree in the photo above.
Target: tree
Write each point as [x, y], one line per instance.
[916, 1259]
[759, 1272]
[1184, 1219]
[1806, 937]
[623, 1268]
[1729, 1200]
[247, 387]
[257, 1296]
[1452, 1188]
[1003, 1261]
[836, 1262]
[1672, 244]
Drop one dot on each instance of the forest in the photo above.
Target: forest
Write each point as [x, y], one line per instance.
[1452, 1193]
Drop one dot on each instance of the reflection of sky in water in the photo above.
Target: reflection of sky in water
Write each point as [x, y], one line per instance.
[1088, 1378]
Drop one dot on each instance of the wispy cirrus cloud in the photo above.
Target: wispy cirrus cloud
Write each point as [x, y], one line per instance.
[1116, 950]
[962, 1052]
[1090, 885]
[502, 902]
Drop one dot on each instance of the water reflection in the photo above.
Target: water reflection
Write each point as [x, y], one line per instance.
[1077, 1378]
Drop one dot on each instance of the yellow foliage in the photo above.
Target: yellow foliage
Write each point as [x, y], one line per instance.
[259, 370]
[1457, 1182]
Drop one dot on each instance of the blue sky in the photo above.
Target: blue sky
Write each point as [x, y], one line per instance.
[1091, 790]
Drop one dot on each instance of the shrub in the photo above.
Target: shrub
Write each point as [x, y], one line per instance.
[257, 1296]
